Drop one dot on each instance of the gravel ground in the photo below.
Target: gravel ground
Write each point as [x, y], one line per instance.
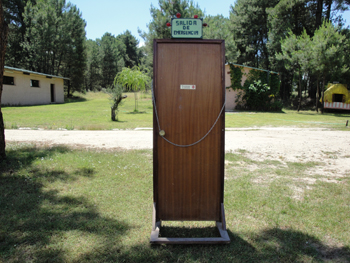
[330, 147]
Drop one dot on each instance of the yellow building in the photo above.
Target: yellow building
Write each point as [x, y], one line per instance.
[337, 96]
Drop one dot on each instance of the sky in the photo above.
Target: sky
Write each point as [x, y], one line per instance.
[117, 16]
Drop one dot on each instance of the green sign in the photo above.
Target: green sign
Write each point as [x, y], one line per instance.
[186, 28]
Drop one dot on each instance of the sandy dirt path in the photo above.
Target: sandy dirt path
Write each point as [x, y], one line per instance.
[285, 144]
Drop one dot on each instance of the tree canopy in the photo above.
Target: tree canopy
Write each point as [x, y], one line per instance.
[49, 36]
[134, 78]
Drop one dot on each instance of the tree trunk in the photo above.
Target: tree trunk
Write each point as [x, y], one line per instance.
[299, 92]
[329, 7]
[114, 108]
[322, 106]
[3, 40]
[312, 87]
[2, 138]
[317, 94]
[113, 114]
[68, 90]
[319, 13]
[135, 94]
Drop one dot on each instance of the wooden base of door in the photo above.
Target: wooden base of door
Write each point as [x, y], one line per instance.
[223, 239]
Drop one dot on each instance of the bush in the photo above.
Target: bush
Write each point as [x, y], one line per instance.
[258, 97]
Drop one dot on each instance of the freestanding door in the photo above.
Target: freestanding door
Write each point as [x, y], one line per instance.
[188, 130]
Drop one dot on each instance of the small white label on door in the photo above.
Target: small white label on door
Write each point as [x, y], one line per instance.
[192, 87]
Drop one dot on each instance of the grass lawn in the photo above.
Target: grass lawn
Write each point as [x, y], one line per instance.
[65, 205]
[91, 111]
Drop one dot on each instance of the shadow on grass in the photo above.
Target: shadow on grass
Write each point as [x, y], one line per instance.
[185, 232]
[250, 111]
[271, 245]
[32, 216]
[136, 112]
[337, 113]
[334, 113]
[74, 99]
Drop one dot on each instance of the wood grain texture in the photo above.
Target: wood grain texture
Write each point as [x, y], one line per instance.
[188, 182]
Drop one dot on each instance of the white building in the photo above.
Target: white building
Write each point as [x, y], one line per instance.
[24, 87]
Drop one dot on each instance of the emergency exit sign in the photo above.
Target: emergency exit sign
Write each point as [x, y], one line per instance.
[186, 28]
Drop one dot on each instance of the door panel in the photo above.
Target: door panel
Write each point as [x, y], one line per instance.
[189, 180]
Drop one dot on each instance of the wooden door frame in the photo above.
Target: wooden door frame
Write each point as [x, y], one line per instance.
[156, 220]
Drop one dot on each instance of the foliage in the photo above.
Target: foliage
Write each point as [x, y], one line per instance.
[219, 28]
[93, 76]
[135, 79]
[75, 60]
[328, 54]
[14, 10]
[297, 17]
[249, 27]
[130, 56]
[274, 83]
[43, 35]
[258, 97]
[47, 36]
[255, 75]
[110, 54]
[262, 84]
[296, 52]
[107, 56]
[323, 55]
[236, 77]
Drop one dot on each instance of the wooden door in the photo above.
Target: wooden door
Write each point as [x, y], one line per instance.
[188, 181]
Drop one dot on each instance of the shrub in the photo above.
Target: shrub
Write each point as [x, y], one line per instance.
[258, 96]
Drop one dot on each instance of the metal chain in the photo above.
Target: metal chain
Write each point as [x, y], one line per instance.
[188, 145]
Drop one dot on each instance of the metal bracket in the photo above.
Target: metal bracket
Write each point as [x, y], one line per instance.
[223, 239]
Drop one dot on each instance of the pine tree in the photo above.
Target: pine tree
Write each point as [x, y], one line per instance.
[219, 28]
[249, 27]
[328, 55]
[93, 66]
[131, 56]
[110, 50]
[296, 53]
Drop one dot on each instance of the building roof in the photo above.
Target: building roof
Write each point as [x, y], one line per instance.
[33, 72]
[252, 68]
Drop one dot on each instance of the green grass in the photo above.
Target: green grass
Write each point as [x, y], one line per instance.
[287, 118]
[91, 111]
[65, 205]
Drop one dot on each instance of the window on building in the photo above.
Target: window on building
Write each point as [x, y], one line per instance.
[34, 83]
[338, 97]
[8, 80]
